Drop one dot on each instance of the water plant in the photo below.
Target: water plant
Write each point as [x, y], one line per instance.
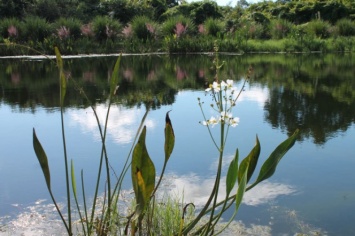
[104, 217]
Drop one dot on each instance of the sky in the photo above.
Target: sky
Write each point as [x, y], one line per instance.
[227, 2]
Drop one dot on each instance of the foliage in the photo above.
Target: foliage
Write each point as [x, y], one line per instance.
[72, 24]
[35, 29]
[169, 27]
[280, 29]
[346, 27]
[105, 28]
[317, 28]
[214, 27]
[144, 28]
[108, 219]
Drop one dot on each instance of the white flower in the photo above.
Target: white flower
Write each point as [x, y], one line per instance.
[216, 87]
[226, 116]
[234, 121]
[230, 85]
[212, 121]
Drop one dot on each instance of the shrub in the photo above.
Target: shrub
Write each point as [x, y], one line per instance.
[9, 28]
[318, 28]
[280, 28]
[169, 27]
[36, 29]
[346, 27]
[214, 27]
[144, 28]
[106, 28]
[71, 24]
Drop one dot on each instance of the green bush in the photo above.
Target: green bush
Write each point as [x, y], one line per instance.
[280, 28]
[169, 27]
[346, 27]
[318, 28]
[214, 27]
[9, 28]
[36, 29]
[106, 28]
[72, 24]
[144, 28]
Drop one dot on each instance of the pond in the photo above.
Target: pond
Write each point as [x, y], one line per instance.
[312, 191]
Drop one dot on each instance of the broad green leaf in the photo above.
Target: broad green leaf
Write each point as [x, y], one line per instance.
[269, 166]
[232, 173]
[63, 81]
[114, 77]
[42, 158]
[169, 137]
[73, 180]
[143, 172]
[250, 161]
[241, 189]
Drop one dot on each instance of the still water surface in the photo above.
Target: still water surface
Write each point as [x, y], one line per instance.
[313, 189]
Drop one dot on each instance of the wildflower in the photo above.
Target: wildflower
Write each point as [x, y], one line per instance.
[226, 116]
[12, 30]
[86, 30]
[234, 121]
[216, 87]
[180, 29]
[201, 29]
[212, 121]
[127, 31]
[63, 32]
[152, 30]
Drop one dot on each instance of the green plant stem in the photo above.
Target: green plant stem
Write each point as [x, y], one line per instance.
[106, 160]
[58, 210]
[218, 178]
[66, 167]
[84, 199]
[160, 178]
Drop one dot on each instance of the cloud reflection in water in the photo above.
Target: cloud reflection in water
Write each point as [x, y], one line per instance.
[122, 124]
[197, 189]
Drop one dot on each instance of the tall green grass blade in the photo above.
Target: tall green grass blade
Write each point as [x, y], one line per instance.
[143, 172]
[269, 166]
[42, 158]
[169, 137]
[232, 173]
[73, 181]
[250, 161]
[114, 77]
[73, 184]
[63, 81]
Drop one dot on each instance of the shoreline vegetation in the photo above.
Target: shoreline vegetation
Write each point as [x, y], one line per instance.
[158, 26]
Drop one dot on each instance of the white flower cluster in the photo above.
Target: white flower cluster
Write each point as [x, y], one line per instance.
[216, 87]
[225, 116]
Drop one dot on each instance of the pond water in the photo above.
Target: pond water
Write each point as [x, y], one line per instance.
[312, 191]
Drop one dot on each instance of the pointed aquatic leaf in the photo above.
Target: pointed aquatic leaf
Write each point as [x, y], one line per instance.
[141, 193]
[269, 166]
[63, 81]
[241, 189]
[232, 173]
[114, 77]
[42, 158]
[251, 160]
[73, 180]
[143, 172]
[169, 137]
